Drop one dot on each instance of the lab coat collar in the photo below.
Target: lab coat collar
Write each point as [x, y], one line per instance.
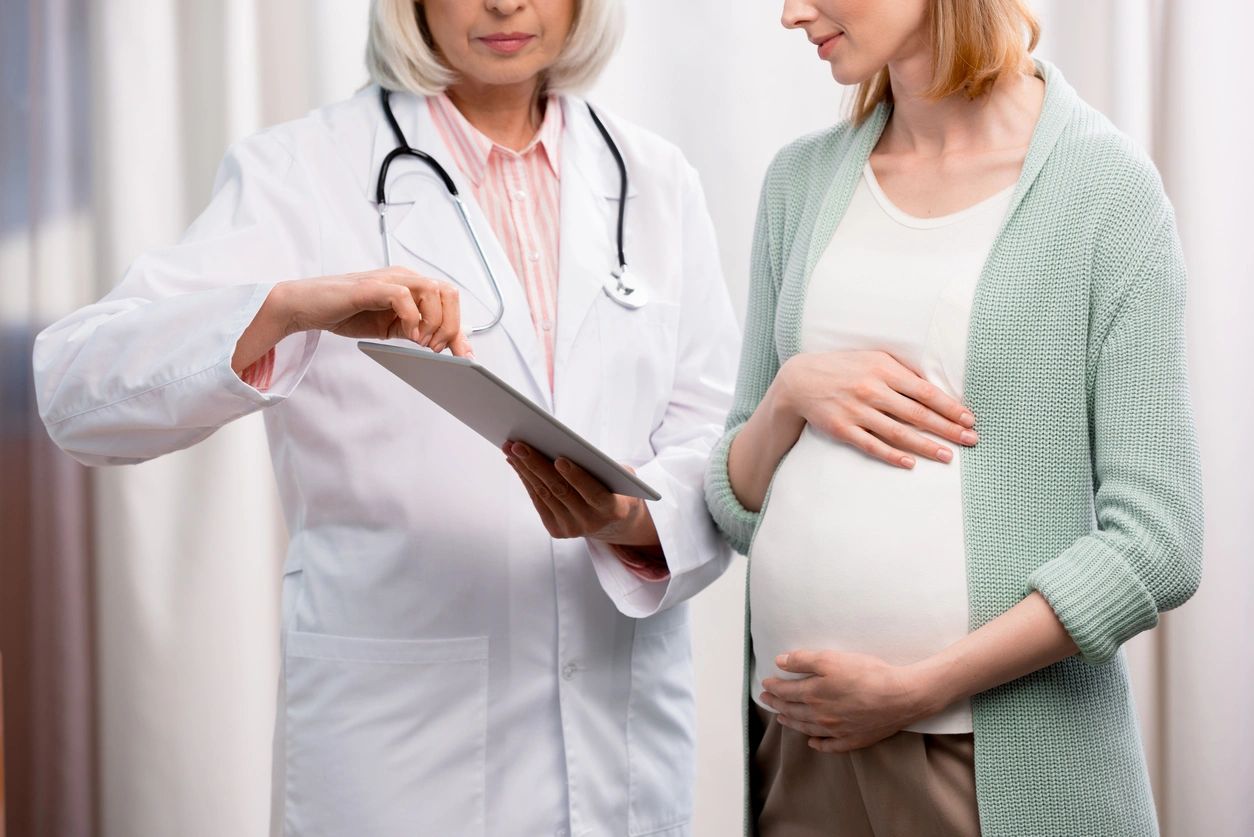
[589, 206]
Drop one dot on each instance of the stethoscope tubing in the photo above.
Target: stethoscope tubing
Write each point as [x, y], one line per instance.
[403, 149]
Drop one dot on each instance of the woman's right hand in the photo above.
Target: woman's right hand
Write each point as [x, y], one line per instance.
[870, 400]
[381, 304]
[865, 399]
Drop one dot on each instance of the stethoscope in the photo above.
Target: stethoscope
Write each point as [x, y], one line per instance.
[620, 286]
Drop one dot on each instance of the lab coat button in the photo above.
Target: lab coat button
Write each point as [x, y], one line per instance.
[547, 325]
[568, 671]
[561, 832]
[520, 195]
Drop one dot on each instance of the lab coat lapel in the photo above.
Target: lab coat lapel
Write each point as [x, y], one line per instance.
[588, 249]
[424, 221]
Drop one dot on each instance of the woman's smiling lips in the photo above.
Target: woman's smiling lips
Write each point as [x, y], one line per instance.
[826, 44]
[506, 43]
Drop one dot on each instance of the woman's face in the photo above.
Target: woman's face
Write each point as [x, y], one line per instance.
[499, 42]
[859, 37]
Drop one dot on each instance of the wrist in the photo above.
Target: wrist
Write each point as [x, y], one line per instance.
[930, 687]
[632, 527]
[781, 391]
[278, 312]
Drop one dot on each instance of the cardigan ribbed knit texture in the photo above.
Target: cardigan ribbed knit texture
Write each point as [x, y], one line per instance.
[1085, 483]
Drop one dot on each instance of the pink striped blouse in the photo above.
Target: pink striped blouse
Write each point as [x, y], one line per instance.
[520, 192]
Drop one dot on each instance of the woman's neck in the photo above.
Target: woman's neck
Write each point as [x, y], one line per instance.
[507, 114]
[955, 124]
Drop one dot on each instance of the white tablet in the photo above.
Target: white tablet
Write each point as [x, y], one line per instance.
[498, 412]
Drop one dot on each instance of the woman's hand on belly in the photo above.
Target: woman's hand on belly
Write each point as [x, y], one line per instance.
[869, 400]
[865, 399]
[846, 701]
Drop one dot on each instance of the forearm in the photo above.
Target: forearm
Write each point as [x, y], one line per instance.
[1024, 639]
[756, 451]
[268, 327]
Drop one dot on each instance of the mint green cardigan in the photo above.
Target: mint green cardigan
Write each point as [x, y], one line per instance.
[1085, 484]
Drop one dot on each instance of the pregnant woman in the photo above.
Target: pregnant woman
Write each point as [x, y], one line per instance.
[936, 645]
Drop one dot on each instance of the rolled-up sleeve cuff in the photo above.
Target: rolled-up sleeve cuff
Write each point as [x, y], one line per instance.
[735, 521]
[686, 544]
[292, 357]
[1097, 597]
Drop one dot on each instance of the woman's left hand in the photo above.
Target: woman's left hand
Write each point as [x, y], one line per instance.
[574, 504]
[848, 701]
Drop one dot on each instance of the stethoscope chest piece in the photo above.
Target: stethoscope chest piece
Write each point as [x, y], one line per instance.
[626, 289]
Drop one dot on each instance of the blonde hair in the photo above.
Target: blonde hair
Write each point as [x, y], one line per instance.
[974, 43]
[400, 54]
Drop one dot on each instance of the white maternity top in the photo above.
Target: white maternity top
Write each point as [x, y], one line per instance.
[851, 553]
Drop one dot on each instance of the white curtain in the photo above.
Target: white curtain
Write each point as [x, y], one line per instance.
[189, 546]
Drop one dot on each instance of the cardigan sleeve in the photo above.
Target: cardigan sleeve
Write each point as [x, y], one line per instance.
[1145, 555]
[759, 362]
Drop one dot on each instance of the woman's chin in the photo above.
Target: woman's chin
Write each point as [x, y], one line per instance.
[502, 69]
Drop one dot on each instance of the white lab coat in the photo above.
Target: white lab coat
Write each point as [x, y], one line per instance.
[448, 668]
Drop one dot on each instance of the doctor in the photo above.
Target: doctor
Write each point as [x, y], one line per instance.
[473, 644]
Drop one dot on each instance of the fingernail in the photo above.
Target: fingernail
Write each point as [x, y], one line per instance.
[968, 419]
[521, 450]
[907, 461]
[969, 437]
[781, 660]
[562, 464]
[944, 454]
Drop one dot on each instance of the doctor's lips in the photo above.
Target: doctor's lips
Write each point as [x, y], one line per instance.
[506, 43]
[826, 43]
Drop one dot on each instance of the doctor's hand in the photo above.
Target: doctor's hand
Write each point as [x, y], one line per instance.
[574, 504]
[382, 304]
[870, 400]
[846, 701]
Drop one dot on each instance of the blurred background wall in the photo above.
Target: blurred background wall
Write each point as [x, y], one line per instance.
[138, 610]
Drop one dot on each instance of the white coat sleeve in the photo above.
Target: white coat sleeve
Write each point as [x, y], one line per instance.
[147, 369]
[705, 373]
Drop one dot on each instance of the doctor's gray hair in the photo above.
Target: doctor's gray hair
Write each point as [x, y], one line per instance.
[400, 54]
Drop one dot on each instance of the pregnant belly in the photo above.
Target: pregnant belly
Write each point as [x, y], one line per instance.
[856, 555]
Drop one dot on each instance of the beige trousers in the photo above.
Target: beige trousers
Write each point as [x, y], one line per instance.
[908, 785]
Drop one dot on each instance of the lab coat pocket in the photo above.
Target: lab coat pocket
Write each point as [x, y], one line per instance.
[661, 735]
[385, 737]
